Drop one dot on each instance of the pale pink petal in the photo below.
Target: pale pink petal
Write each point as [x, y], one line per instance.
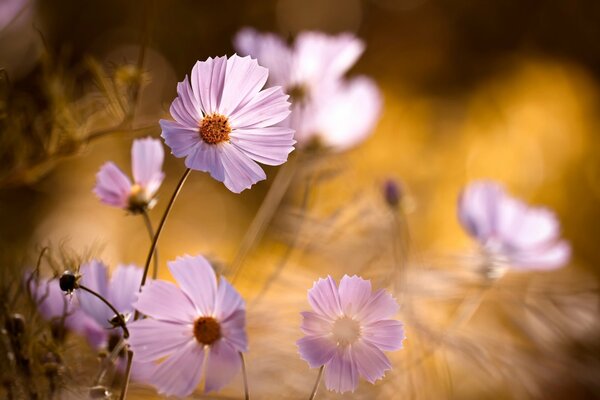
[341, 373]
[316, 350]
[324, 298]
[268, 107]
[371, 363]
[240, 171]
[151, 339]
[381, 306]
[234, 330]
[94, 275]
[478, 208]
[207, 158]
[182, 140]
[386, 334]
[185, 108]
[545, 257]
[165, 301]
[146, 159]
[113, 187]
[124, 287]
[536, 227]
[315, 325]
[180, 374]
[208, 81]
[222, 364]
[228, 300]
[244, 79]
[355, 293]
[270, 51]
[261, 146]
[197, 279]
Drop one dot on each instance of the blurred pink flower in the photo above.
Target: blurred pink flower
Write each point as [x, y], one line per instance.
[224, 122]
[326, 108]
[114, 188]
[348, 331]
[510, 232]
[189, 323]
[53, 304]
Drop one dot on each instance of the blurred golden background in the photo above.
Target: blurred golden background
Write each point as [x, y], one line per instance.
[507, 90]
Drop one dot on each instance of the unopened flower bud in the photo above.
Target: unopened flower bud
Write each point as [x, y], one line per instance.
[68, 282]
[392, 192]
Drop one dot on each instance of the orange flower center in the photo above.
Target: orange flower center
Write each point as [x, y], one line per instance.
[214, 128]
[207, 330]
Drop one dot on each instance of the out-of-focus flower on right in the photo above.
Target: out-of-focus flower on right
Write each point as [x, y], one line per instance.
[327, 109]
[348, 331]
[510, 232]
[114, 188]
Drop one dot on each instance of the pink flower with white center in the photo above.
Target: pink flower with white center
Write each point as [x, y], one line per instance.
[115, 188]
[326, 109]
[195, 329]
[224, 123]
[54, 305]
[348, 331]
[510, 232]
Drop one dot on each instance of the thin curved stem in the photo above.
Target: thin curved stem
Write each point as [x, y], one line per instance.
[127, 375]
[122, 323]
[245, 376]
[313, 394]
[161, 225]
[150, 230]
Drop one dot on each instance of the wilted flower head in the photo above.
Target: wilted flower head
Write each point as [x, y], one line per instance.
[114, 188]
[326, 108]
[348, 331]
[510, 232]
[189, 324]
[224, 122]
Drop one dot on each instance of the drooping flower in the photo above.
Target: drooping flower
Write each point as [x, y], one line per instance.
[55, 306]
[327, 109]
[115, 188]
[348, 330]
[224, 123]
[187, 324]
[511, 233]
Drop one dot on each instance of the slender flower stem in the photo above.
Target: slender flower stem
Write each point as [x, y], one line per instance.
[313, 394]
[122, 323]
[127, 375]
[264, 214]
[245, 376]
[161, 225]
[150, 230]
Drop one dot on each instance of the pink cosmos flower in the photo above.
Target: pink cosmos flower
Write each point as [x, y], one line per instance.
[224, 122]
[348, 331]
[189, 323]
[53, 304]
[114, 188]
[510, 232]
[326, 108]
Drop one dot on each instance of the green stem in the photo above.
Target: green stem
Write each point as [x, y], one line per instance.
[151, 234]
[245, 376]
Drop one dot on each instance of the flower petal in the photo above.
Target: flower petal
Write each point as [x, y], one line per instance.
[165, 301]
[381, 306]
[228, 300]
[112, 186]
[316, 350]
[240, 171]
[535, 227]
[324, 298]
[370, 361]
[147, 158]
[180, 374]
[197, 279]
[185, 108]
[207, 158]
[94, 275]
[314, 324]
[268, 107]
[341, 373]
[208, 80]
[124, 287]
[269, 146]
[182, 140]
[386, 334]
[478, 208]
[243, 80]
[152, 340]
[547, 257]
[222, 364]
[234, 330]
[355, 293]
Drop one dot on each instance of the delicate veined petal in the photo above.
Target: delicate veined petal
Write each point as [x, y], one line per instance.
[165, 301]
[245, 78]
[234, 329]
[94, 275]
[208, 81]
[536, 227]
[147, 158]
[112, 185]
[185, 108]
[207, 158]
[222, 364]
[270, 150]
[371, 363]
[545, 258]
[477, 210]
[153, 339]
[355, 293]
[228, 300]
[341, 373]
[181, 139]
[324, 298]
[381, 306]
[124, 286]
[197, 279]
[314, 324]
[180, 373]
[267, 108]
[386, 334]
[316, 350]
[240, 171]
